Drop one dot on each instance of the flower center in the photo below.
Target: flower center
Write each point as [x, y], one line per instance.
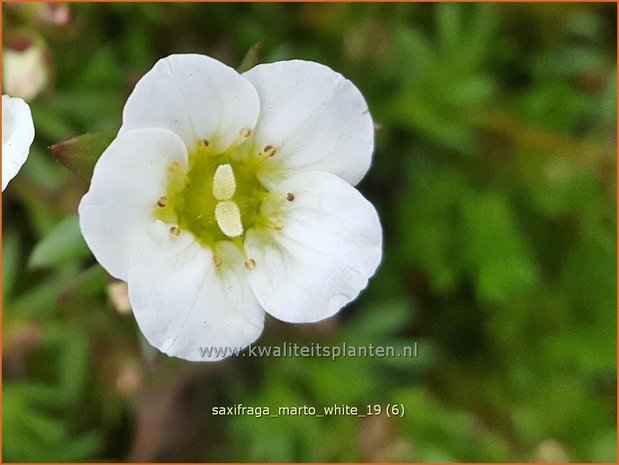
[219, 197]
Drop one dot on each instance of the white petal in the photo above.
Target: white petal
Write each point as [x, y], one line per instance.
[330, 245]
[184, 305]
[17, 136]
[129, 178]
[314, 118]
[195, 96]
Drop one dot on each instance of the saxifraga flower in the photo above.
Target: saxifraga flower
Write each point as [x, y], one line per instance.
[226, 195]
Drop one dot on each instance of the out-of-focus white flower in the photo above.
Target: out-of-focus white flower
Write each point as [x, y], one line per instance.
[226, 195]
[17, 136]
[25, 67]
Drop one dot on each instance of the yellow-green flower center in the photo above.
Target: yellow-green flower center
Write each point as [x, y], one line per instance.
[218, 198]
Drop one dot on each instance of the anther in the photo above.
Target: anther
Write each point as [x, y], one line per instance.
[175, 166]
[162, 202]
[268, 150]
[245, 132]
[217, 260]
[278, 225]
[250, 264]
[175, 231]
[203, 142]
[290, 196]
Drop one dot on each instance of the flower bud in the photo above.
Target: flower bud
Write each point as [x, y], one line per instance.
[25, 67]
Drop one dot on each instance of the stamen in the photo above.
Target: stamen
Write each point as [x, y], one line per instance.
[278, 225]
[175, 231]
[275, 197]
[176, 177]
[217, 260]
[162, 202]
[250, 264]
[174, 167]
[228, 218]
[203, 143]
[268, 150]
[224, 183]
[245, 132]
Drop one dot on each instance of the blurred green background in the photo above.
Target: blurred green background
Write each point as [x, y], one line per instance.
[495, 179]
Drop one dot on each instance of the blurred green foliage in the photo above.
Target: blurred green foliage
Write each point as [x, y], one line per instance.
[495, 179]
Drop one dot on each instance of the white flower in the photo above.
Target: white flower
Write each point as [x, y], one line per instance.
[17, 136]
[226, 195]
